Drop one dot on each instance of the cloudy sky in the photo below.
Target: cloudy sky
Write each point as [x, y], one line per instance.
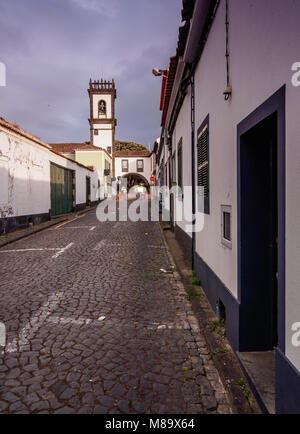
[51, 48]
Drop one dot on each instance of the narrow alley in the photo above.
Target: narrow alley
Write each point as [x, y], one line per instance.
[95, 326]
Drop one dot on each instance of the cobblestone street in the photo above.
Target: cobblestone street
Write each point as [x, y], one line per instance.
[94, 326]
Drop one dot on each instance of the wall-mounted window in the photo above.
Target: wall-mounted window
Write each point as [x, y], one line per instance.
[107, 165]
[109, 149]
[226, 212]
[96, 132]
[124, 165]
[101, 108]
[140, 165]
[203, 162]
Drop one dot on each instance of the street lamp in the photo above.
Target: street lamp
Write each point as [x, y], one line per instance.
[159, 72]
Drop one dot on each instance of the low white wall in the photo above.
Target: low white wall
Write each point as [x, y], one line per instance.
[183, 131]
[25, 176]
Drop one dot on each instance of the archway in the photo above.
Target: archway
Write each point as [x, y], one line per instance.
[136, 179]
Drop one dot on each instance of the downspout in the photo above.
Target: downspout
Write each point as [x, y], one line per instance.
[228, 90]
[192, 81]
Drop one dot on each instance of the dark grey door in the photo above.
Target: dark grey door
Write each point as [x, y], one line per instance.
[259, 235]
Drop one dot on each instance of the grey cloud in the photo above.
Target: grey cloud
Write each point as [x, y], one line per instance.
[51, 49]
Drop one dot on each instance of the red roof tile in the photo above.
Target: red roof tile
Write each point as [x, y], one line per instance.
[169, 87]
[132, 154]
[68, 148]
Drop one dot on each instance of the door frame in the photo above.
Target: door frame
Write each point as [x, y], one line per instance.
[88, 190]
[73, 192]
[276, 103]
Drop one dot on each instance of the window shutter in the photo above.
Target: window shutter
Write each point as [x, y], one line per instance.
[203, 165]
[179, 155]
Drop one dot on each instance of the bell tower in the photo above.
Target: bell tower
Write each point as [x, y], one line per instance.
[102, 114]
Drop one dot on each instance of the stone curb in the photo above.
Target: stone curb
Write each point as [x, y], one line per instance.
[213, 395]
[226, 364]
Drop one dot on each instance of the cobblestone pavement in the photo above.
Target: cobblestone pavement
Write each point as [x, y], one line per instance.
[94, 326]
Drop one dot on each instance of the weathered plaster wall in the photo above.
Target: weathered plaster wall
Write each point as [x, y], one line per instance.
[25, 176]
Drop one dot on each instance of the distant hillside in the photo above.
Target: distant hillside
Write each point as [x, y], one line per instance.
[122, 145]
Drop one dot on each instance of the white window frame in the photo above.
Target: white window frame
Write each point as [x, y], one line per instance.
[224, 241]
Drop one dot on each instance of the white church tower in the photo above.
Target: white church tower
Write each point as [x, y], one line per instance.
[102, 114]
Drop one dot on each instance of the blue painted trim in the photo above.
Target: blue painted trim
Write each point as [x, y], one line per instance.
[215, 290]
[275, 103]
[287, 386]
[11, 224]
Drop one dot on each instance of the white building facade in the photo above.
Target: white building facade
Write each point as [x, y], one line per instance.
[33, 176]
[230, 126]
[136, 166]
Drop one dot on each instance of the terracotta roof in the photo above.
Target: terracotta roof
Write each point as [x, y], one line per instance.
[182, 39]
[163, 89]
[168, 78]
[132, 153]
[188, 9]
[18, 130]
[168, 88]
[68, 148]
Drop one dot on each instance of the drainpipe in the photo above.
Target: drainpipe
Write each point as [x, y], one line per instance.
[192, 82]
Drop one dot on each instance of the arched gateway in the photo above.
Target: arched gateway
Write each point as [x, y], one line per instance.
[134, 179]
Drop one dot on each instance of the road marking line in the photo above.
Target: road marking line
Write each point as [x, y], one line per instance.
[63, 320]
[30, 250]
[77, 227]
[2, 334]
[99, 245]
[156, 247]
[69, 221]
[77, 321]
[34, 324]
[103, 243]
[62, 251]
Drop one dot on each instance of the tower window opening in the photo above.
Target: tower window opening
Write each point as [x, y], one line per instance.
[102, 108]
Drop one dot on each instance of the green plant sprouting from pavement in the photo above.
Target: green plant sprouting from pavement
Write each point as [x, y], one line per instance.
[241, 382]
[219, 323]
[192, 292]
[217, 351]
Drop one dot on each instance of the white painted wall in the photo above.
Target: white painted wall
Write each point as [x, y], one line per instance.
[25, 176]
[104, 137]
[264, 43]
[183, 130]
[132, 166]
